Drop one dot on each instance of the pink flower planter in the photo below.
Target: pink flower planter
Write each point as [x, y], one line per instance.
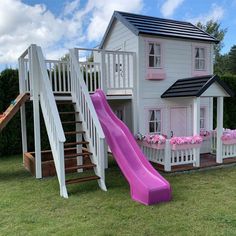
[230, 141]
[151, 145]
[185, 146]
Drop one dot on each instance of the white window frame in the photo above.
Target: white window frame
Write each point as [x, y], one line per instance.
[154, 121]
[203, 118]
[198, 60]
[155, 55]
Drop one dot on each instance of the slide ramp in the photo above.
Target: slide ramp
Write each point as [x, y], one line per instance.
[146, 184]
[13, 109]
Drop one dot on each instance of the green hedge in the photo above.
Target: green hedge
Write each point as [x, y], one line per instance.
[10, 137]
[230, 103]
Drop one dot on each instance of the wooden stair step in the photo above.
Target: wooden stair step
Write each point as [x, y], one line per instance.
[80, 167]
[82, 179]
[68, 112]
[71, 122]
[75, 143]
[65, 102]
[74, 132]
[78, 154]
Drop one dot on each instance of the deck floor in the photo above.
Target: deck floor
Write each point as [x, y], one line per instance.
[206, 161]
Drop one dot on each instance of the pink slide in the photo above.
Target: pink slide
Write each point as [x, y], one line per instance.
[146, 184]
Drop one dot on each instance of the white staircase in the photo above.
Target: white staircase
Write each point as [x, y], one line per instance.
[37, 79]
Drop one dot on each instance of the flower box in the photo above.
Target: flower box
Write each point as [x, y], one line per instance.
[229, 141]
[185, 146]
[151, 145]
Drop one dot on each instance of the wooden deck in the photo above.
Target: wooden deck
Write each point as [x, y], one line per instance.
[206, 161]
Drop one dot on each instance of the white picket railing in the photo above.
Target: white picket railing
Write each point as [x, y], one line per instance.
[169, 157]
[91, 72]
[228, 150]
[115, 70]
[94, 133]
[58, 74]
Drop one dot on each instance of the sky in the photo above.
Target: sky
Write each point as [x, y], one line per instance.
[57, 25]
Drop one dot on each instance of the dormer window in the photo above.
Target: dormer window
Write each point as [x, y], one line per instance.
[200, 58]
[154, 55]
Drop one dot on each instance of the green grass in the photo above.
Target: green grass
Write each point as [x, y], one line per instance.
[204, 203]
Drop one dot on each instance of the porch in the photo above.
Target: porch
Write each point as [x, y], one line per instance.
[207, 161]
[169, 158]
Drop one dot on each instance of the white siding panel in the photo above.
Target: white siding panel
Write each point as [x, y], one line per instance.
[120, 37]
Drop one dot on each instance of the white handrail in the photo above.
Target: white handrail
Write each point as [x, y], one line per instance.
[94, 133]
[52, 121]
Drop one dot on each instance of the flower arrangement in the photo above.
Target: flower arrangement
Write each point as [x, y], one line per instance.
[156, 141]
[228, 135]
[204, 133]
[155, 138]
[152, 138]
[196, 139]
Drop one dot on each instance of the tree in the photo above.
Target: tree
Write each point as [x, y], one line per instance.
[214, 29]
[232, 60]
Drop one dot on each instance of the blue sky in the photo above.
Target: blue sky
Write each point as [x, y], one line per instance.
[57, 25]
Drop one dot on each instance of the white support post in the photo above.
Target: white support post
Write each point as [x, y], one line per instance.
[79, 139]
[22, 80]
[34, 74]
[196, 128]
[196, 116]
[103, 72]
[135, 96]
[167, 159]
[220, 112]
[23, 129]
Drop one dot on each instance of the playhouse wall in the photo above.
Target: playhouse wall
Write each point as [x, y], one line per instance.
[124, 106]
[177, 64]
[121, 38]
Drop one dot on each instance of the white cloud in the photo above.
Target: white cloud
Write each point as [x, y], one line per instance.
[169, 6]
[22, 25]
[215, 13]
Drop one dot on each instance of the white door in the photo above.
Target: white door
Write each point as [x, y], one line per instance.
[178, 121]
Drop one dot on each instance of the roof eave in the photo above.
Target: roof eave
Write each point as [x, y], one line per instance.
[180, 37]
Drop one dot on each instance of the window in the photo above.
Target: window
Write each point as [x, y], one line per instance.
[154, 55]
[202, 118]
[200, 58]
[154, 121]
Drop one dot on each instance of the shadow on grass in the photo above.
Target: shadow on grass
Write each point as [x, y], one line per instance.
[8, 175]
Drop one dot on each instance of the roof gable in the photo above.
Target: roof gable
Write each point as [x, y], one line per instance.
[196, 87]
[148, 25]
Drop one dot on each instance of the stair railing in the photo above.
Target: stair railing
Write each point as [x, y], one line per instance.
[52, 120]
[94, 133]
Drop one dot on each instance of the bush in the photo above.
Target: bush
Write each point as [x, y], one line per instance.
[229, 103]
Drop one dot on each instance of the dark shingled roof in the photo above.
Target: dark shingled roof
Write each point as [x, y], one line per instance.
[148, 25]
[194, 87]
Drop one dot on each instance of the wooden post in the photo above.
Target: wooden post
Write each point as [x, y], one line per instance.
[34, 74]
[196, 128]
[220, 111]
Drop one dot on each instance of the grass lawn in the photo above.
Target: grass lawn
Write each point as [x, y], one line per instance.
[204, 203]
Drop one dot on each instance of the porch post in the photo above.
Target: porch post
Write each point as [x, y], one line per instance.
[196, 116]
[220, 110]
[196, 128]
